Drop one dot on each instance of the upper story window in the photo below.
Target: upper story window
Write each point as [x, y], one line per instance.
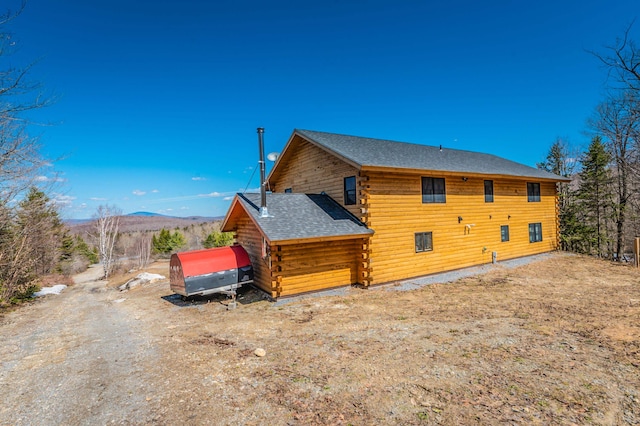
[488, 191]
[349, 190]
[433, 190]
[533, 192]
[288, 191]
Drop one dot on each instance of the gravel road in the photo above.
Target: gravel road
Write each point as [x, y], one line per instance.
[74, 358]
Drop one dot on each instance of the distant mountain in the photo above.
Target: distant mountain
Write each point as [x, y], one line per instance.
[147, 214]
[143, 221]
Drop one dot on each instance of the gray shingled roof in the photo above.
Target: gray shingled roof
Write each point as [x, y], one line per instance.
[302, 216]
[384, 153]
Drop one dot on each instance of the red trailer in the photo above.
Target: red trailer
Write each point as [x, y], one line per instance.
[216, 270]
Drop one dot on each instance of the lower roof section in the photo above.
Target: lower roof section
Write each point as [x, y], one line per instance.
[297, 217]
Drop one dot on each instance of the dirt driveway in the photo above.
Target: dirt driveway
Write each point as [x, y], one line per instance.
[76, 358]
[553, 342]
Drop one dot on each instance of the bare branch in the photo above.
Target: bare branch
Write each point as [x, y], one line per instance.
[623, 60]
[107, 222]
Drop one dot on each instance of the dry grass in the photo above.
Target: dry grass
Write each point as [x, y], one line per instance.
[553, 342]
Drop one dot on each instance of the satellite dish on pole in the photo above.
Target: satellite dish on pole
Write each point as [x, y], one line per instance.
[273, 156]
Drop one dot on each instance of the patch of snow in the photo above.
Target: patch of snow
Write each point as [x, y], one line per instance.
[142, 278]
[150, 277]
[56, 289]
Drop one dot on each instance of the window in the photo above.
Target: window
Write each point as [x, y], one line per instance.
[349, 190]
[504, 233]
[288, 191]
[433, 190]
[424, 242]
[533, 192]
[488, 191]
[535, 232]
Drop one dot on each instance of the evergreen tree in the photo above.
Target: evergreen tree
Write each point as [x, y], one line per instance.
[80, 247]
[218, 239]
[166, 242]
[560, 162]
[39, 222]
[594, 192]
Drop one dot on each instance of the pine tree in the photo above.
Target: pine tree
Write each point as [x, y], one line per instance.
[594, 192]
[218, 239]
[166, 242]
[39, 222]
[560, 162]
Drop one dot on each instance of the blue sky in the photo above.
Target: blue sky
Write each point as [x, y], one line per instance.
[158, 101]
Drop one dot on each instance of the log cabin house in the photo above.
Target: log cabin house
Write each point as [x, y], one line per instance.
[349, 210]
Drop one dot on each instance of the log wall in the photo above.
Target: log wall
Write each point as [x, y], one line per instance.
[248, 235]
[300, 268]
[392, 206]
[311, 170]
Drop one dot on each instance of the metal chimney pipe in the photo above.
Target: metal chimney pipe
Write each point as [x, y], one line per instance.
[263, 190]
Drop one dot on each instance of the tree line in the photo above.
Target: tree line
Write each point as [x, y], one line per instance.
[599, 208]
[135, 250]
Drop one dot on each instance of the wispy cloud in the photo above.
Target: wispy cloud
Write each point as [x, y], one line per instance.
[198, 178]
[213, 194]
[138, 192]
[228, 198]
[154, 191]
[97, 199]
[49, 179]
[63, 200]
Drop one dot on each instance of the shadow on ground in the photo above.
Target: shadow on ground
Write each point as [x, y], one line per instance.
[245, 296]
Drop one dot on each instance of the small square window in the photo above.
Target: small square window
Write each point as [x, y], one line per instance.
[535, 232]
[488, 191]
[433, 190]
[349, 190]
[504, 233]
[533, 192]
[288, 191]
[424, 242]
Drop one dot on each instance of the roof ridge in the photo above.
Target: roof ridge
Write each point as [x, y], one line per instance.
[439, 146]
[384, 153]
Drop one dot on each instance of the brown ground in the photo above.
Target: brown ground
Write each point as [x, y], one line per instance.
[554, 342]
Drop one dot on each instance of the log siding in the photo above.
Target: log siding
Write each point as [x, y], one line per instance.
[312, 170]
[465, 229]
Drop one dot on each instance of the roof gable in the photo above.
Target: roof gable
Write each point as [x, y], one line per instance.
[299, 217]
[378, 153]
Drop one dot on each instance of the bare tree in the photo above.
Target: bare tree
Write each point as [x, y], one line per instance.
[106, 223]
[16, 264]
[20, 157]
[29, 238]
[623, 61]
[143, 250]
[617, 120]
